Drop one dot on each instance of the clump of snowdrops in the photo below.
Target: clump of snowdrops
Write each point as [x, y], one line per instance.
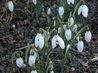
[65, 32]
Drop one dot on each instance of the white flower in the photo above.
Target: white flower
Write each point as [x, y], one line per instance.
[58, 40]
[59, 30]
[84, 10]
[88, 36]
[39, 41]
[68, 34]
[61, 11]
[49, 11]
[10, 6]
[54, 40]
[70, 1]
[52, 71]
[71, 21]
[80, 10]
[19, 62]
[64, 27]
[80, 46]
[34, 1]
[33, 71]
[75, 28]
[32, 60]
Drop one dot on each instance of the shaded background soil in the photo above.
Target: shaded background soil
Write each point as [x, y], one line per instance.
[26, 28]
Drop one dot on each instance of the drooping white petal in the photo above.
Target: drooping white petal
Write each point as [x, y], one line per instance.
[75, 28]
[88, 36]
[69, 2]
[72, 1]
[34, 1]
[68, 34]
[59, 30]
[60, 42]
[33, 71]
[80, 10]
[51, 71]
[49, 11]
[36, 40]
[64, 27]
[80, 46]
[10, 6]
[32, 60]
[61, 11]
[85, 11]
[19, 62]
[41, 41]
[54, 41]
[71, 21]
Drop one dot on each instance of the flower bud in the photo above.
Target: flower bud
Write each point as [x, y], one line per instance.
[68, 34]
[19, 62]
[71, 21]
[70, 1]
[80, 46]
[32, 60]
[33, 71]
[49, 11]
[34, 1]
[88, 36]
[64, 27]
[10, 6]
[84, 10]
[75, 28]
[61, 11]
[52, 71]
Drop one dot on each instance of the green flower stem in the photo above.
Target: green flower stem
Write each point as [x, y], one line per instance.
[76, 8]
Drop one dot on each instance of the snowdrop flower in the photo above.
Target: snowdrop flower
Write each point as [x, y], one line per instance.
[49, 11]
[64, 27]
[80, 46]
[61, 11]
[59, 30]
[84, 10]
[10, 6]
[88, 36]
[33, 71]
[70, 1]
[68, 34]
[58, 40]
[19, 62]
[52, 71]
[71, 21]
[34, 1]
[39, 41]
[75, 28]
[32, 60]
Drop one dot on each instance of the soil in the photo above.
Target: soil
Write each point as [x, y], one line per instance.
[26, 27]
